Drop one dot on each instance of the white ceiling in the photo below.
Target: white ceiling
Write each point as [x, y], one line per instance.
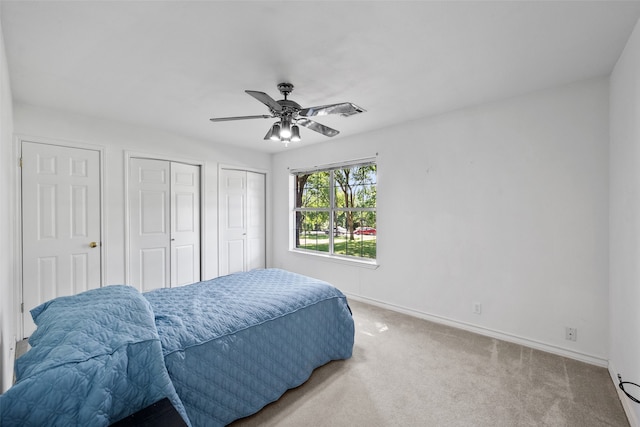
[172, 65]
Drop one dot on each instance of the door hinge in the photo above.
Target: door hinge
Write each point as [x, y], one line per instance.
[22, 307]
[20, 162]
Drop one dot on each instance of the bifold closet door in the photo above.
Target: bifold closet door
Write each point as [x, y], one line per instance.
[242, 217]
[164, 223]
[185, 224]
[256, 221]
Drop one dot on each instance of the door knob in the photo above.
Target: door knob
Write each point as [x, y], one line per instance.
[93, 244]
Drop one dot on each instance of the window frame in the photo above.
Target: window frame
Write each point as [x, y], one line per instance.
[330, 210]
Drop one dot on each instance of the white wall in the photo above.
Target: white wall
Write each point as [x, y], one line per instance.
[505, 204]
[7, 224]
[625, 220]
[116, 138]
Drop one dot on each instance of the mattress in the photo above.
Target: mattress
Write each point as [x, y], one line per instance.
[233, 344]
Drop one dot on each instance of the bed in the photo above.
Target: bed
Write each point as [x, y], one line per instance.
[219, 350]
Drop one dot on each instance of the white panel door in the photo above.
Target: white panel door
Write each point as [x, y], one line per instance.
[60, 224]
[256, 221]
[242, 221]
[149, 226]
[185, 224]
[164, 223]
[233, 230]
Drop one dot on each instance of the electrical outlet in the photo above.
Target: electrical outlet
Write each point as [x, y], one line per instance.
[477, 308]
[571, 334]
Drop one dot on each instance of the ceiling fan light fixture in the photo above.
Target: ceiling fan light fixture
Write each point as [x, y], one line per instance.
[295, 133]
[285, 129]
[275, 132]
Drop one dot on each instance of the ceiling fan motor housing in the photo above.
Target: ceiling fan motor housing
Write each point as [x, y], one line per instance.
[289, 108]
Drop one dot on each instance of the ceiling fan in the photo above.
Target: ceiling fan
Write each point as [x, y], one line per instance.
[290, 115]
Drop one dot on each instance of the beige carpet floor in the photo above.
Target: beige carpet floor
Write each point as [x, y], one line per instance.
[410, 372]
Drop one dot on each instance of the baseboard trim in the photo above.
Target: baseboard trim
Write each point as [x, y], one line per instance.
[593, 360]
[626, 402]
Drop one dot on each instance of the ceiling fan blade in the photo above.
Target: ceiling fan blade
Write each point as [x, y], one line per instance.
[310, 124]
[226, 119]
[345, 109]
[265, 99]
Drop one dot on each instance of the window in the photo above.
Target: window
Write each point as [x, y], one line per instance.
[335, 210]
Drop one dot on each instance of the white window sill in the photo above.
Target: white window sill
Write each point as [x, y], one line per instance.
[370, 264]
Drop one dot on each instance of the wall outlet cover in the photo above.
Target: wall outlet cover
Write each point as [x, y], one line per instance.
[571, 334]
[477, 308]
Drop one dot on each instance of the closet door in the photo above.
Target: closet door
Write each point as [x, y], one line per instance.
[149, 224]
[233, 230]
[242, 221]
[164, 224]
[256, 221]
[185, 224]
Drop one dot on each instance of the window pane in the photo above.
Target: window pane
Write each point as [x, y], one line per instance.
[355, 187]
[360, 237]
[312, 190]
[312, 231]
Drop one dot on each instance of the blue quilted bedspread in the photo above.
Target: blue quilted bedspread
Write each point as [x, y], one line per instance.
[95, 359]
[236, 343]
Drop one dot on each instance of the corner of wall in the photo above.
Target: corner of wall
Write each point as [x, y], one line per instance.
[624, 226]
[8, 313]
[626, 402]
